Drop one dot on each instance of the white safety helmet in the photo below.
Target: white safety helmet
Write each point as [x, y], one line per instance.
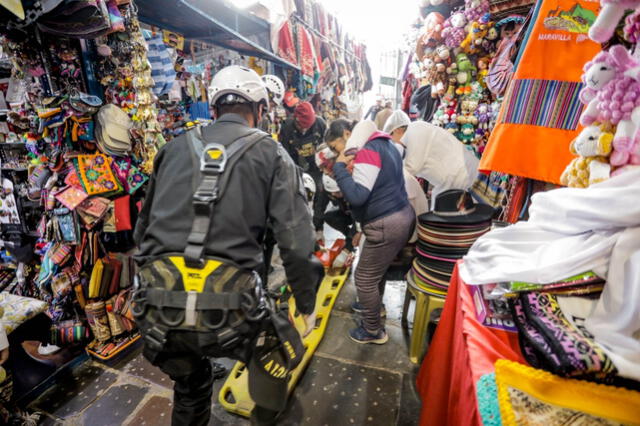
[330, 185]
[236, 84]
[275, 86]
[309, 186]
[397, 119]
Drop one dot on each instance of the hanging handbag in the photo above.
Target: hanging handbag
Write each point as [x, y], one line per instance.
[95, 175]
[92, 211]
[96, 279]
[77, 19]
[122, 213]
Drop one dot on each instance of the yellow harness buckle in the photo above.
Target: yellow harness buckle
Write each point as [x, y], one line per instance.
[194, 279]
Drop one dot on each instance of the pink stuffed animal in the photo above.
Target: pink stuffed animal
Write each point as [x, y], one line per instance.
[610, 14]
[453, 32]
[613, 97]
[474, 10]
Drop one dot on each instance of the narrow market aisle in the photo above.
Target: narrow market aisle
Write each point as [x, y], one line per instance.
[345, 384]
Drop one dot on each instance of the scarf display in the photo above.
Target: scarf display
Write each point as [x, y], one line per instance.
[551, 341]
[570, 231]
[530, 396]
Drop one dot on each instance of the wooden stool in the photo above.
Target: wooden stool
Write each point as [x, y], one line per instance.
[425, 305]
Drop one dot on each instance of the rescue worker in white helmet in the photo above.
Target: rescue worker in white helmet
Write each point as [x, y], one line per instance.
[259, 185]
[270, 122]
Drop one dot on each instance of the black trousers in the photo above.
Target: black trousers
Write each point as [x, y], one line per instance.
[182, 360]
[320, 203]
[343, 223]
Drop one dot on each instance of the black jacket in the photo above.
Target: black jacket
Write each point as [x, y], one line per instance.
[302, 147]
[264, 186]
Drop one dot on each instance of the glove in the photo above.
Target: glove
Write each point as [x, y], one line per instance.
[320, 238]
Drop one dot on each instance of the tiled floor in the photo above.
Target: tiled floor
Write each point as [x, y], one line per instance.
[345, 384]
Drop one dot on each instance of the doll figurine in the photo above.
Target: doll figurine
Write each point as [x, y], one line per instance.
[483, 70]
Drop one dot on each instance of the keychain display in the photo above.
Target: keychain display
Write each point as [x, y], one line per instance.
[68, 152]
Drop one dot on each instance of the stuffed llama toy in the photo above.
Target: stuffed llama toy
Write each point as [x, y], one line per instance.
[610, 14]
[592, 146]
[611, 96]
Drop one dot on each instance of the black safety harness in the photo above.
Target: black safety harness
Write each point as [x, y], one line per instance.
[160, 310]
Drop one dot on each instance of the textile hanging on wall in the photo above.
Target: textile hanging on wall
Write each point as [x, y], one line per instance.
[539, 115]
[286, 46]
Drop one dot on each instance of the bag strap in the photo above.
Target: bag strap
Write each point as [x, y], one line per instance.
[215, 160]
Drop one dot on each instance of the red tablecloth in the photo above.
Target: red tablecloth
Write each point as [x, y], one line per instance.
[462, 350]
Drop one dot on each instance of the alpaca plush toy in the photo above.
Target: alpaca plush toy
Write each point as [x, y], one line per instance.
[474, 10]
[611, 96]
[592, 146]
[453, 32]
[610, 14]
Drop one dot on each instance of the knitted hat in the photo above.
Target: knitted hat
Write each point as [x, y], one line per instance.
[305, 115]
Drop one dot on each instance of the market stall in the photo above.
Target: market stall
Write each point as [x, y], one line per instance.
[535, 324]
[88, 95]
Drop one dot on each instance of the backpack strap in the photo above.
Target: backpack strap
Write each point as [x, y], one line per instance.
[216, 160]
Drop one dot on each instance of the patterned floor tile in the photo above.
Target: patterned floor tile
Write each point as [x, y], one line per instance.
[76, 391]
[112, 408]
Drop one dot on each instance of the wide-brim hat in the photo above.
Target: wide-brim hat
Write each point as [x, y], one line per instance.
[425, 264]
[456, 206]
[416, 281]
[448, 250]
[435, 279]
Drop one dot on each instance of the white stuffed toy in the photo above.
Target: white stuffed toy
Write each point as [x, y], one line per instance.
[610, 14]
[614, 97]
[592, 145]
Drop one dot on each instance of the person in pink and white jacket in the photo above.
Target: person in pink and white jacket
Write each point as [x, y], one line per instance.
[376, 192]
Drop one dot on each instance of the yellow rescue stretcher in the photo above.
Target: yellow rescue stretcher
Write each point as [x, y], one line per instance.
[234, 395]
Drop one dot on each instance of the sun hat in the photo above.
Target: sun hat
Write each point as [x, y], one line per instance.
[457, 206]
[112, 130]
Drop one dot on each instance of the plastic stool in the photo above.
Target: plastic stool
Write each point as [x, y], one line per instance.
[425, 305]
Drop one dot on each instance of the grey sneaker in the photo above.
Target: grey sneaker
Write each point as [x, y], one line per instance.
[360, 335]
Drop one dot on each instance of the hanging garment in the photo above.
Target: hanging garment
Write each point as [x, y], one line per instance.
[572, 230]
[307, 55]
[162, 69]
[286, 46]
[540, 112]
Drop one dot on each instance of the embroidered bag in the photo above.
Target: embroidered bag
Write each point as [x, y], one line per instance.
[95, 174]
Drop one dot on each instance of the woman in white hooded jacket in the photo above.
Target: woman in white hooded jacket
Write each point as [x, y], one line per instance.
[437, 156]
